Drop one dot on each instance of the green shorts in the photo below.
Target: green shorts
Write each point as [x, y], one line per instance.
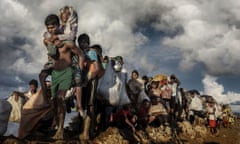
[61, 80]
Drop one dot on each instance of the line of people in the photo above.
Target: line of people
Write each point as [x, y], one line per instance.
[160, 102]
[77, 68]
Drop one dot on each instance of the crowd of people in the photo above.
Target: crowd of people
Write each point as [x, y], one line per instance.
[75, 70]
[168, 103]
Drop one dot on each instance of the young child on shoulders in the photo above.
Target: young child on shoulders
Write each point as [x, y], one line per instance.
[67, 31]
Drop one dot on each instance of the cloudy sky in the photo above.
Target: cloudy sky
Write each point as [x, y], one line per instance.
[197, 40]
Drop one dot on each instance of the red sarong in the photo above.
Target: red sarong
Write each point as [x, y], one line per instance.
[212, 123]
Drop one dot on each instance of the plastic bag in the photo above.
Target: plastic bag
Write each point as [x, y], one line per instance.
[112, 87]
[5, 110]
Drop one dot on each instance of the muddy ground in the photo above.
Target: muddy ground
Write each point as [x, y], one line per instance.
[114, 136]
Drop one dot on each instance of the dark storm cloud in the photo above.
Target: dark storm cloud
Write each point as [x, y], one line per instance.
[182, 33]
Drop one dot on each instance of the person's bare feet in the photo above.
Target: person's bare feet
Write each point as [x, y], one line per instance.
[58, 135]
[81, 112]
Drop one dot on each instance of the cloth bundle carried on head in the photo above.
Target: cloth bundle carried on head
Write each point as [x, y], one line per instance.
[159, 77]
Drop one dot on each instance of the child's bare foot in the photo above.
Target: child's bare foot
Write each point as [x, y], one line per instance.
[81, 112]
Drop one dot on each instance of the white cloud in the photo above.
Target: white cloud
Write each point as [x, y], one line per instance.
[210, 35]
[22, 66]
[213, 88]
[206, 37]
[205, 32]
[18, 79]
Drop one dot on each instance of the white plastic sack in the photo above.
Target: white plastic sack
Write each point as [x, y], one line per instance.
[5, 110]
[218, 112]
[15, 115]
[196, 104]
[112, 87]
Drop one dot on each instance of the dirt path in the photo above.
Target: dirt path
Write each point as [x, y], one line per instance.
[226, 135]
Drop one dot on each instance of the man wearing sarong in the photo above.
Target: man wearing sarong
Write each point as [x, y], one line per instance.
[68, 19]
[61, 74]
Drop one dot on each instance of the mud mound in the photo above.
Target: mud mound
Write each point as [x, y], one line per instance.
[188, 135]
[110, 136]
